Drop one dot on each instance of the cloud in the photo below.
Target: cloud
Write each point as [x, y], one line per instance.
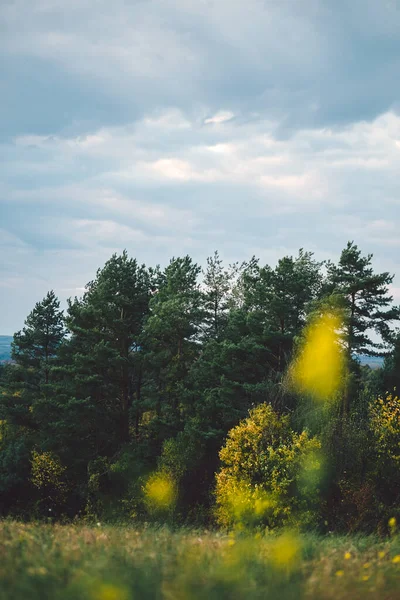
[220, 117]
[172, 126]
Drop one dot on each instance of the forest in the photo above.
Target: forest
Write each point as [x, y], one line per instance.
[192, 396]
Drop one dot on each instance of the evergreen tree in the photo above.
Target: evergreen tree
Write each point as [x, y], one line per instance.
[26, 385]
[172, 336]
[278, 300]
[366, 299]
[217, 284]
[34, 351]
[105, 327]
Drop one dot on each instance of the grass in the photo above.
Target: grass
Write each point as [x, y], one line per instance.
[76, 562]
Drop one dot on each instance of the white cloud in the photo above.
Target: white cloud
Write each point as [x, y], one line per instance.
[220, 117]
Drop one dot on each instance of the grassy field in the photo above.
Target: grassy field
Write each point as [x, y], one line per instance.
[124, 563]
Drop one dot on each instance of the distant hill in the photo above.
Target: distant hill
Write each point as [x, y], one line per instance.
[5, 348]
[374, 362]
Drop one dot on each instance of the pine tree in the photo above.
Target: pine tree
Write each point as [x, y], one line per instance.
[33, 350]
[217, 283]
[278, 300]
[26, 385]
[105, 327]
[366, 299]
[172, 336]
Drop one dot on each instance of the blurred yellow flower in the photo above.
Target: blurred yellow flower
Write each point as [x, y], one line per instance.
[396, 559]
[392, 523]
[366, 565]
[365, 577]
[347, 556]
[285, 550]
[381, 554]
[110, 592]
[339, 573]
[160, 492]
[319, 368]
[37, 571]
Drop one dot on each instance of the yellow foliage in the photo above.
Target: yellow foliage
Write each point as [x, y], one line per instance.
[270, 474]
[319, 368]
[385, 423]
[47, 471]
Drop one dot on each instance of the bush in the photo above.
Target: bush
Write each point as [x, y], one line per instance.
[47, 476]
[270, 474]
[385, 424]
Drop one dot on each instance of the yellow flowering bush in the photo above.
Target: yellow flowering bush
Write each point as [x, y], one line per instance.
[385, 424]
[47, 475]
[270, 473]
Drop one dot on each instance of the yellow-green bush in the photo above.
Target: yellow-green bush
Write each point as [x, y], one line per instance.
[270, 474]
[47, 475]
[385, 424]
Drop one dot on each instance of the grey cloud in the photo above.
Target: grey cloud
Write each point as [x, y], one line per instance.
[172, 126]
[305, 64]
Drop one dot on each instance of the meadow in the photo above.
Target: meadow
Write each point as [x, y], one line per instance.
[102, 562]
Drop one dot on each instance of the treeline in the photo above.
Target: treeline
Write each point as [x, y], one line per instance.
[152, 368]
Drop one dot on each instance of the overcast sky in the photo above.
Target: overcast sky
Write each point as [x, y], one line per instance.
[183, 126]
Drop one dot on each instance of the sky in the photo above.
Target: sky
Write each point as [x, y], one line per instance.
[171, 127]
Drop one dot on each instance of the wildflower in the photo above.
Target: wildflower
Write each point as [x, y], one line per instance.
[396, 559]
[366, 565]
[285, 550]
[160, 492]
[37, 571]
[381, 554]
[365, 577]
[339, 573]
[392, 524]
[110, 592]
[319, 368]
[347, 556]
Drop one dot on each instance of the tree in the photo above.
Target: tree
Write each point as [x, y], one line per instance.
[35, 347]
[171, 341]
[366, 300]
[26, 385]
[34, 350]
[389, 376]
[105, 327]
[218, 284]
[280, 298]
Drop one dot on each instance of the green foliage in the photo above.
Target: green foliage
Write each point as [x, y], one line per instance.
[270, 474]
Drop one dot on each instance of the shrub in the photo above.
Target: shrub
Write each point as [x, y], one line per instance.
[270, 474]
[385, 424]
[47, 476]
